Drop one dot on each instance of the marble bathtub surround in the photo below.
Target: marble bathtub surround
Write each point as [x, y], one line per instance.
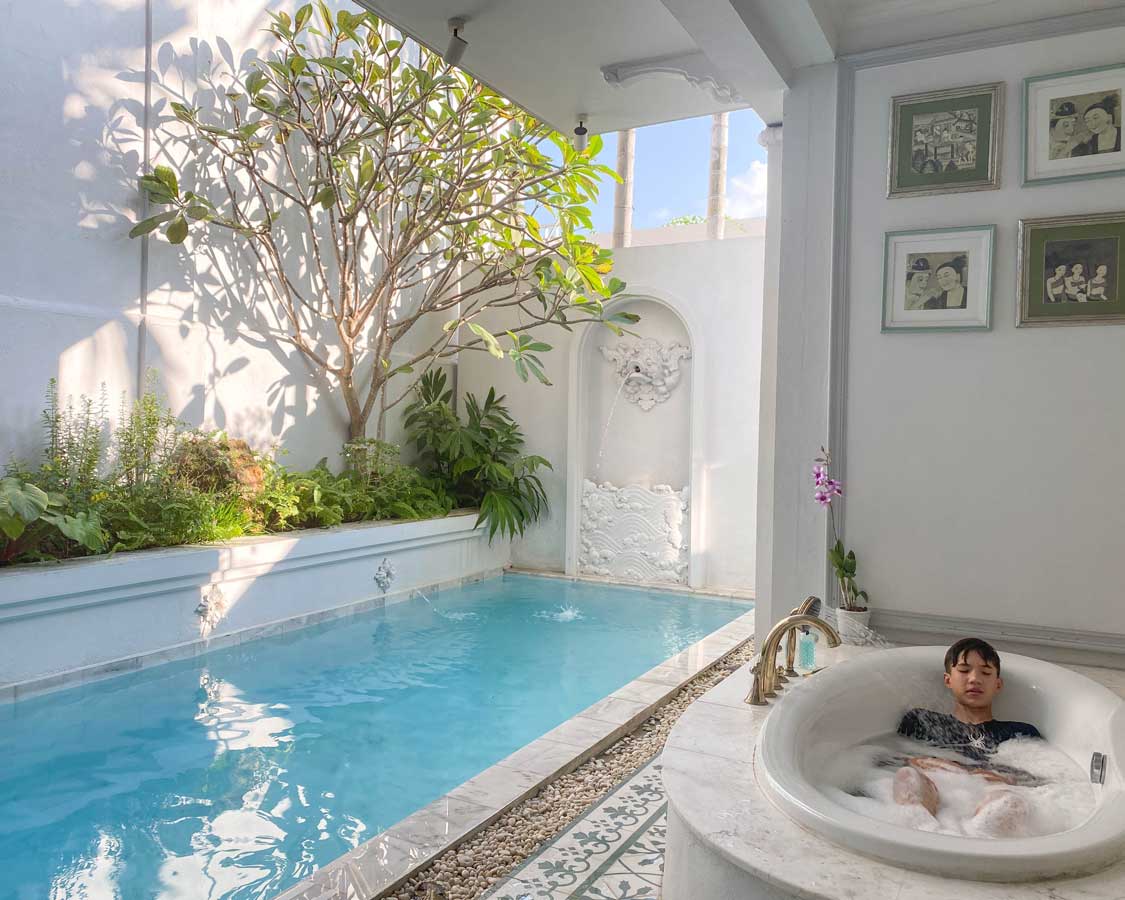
[494, 821]
[726, 839]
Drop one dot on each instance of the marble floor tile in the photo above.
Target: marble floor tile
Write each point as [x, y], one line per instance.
[615, 851]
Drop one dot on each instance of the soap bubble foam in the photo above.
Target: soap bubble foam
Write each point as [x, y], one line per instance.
[1057, 792]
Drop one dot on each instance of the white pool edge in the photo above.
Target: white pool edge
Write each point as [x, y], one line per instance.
[382, 864]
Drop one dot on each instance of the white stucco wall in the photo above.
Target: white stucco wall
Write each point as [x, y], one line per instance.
[71, 149]
[722, 283]
[982, 466]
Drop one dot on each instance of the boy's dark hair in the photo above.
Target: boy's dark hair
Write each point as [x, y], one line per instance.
[965, 646]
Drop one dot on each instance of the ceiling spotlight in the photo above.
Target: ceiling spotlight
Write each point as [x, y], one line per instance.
[457, 44]
[581, 138]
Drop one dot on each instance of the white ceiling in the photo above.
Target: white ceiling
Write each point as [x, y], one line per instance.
[553, 56]
[548, 56]
[872, 24]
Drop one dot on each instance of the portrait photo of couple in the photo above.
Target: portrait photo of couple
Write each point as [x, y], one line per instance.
[1080, 271]
[937, 280]
[1085, 125]
[1072, 126]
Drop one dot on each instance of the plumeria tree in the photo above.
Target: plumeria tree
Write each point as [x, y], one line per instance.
[378, 188]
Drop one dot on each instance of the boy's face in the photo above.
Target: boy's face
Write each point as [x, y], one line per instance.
[973, 681]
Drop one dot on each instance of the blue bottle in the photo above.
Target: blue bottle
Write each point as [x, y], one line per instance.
[806, 650]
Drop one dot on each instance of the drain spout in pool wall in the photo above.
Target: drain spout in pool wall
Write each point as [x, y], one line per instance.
[765, 671]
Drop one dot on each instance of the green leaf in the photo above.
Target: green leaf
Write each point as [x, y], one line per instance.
[302, 16]
[150, 224]
[325, 197]
[84, 528]
[26, 501]
[255, 81]
[168, 178]
[177, 230]
[12, 526]
[489, 339]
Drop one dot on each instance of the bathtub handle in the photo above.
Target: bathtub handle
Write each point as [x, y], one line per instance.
[1098, 764]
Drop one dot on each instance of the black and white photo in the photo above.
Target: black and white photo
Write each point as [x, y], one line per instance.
[1070, 270]
[1073, 124]
[938, 280]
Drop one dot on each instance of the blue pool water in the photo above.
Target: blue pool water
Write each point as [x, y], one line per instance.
[239, 772]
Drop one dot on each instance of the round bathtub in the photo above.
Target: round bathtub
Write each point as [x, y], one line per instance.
[858, 699]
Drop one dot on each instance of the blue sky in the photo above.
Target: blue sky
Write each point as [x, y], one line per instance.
[671, 168]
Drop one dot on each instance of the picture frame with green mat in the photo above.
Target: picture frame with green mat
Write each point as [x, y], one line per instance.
[946, 141]
[1069, 270]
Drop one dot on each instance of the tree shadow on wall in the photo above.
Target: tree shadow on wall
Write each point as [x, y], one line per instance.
[214, 328]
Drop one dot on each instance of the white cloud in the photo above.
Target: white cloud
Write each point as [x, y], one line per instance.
[746, 193]
[661, 215]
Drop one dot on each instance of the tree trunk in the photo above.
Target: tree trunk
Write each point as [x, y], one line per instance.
[357, 427]
[357, 421]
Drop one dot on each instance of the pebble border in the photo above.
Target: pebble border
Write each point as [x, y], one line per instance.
[470, 869]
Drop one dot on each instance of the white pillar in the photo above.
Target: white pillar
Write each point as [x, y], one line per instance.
[797, 346]
[623, 192]
[770, 138]
[717, 189]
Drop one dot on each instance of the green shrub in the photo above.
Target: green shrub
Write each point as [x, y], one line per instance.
[146, 438]
[479, 463]
[169, 513]
[35, 525]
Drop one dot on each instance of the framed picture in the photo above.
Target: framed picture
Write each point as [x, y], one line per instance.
[1070, 270]
[1072, 125]
[938, 279]
[946, 141]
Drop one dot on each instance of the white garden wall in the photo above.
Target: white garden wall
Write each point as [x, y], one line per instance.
[114, 614]
[82, 302]
[721, 283]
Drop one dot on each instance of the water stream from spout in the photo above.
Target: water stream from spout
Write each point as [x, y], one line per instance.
[609, 420]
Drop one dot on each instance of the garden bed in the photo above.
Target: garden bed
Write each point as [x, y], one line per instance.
[63, 623]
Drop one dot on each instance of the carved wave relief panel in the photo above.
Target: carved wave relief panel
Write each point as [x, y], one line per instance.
[634, 533]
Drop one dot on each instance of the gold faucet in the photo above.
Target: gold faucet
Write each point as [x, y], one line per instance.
[766, 673]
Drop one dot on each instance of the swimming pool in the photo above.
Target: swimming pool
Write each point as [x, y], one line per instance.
[235, 774]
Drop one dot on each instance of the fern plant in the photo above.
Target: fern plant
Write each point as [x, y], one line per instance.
[480, 462]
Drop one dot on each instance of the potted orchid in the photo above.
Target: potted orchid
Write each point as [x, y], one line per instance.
[852, 614]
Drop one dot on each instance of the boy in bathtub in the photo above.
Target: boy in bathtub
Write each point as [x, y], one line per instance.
[972, 674]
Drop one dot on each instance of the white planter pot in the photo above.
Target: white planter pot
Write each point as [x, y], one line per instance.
[853, 626]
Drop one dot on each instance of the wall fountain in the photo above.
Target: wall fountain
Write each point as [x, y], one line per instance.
[634, 518]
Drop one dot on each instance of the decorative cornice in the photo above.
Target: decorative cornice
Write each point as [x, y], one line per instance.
[695, 68]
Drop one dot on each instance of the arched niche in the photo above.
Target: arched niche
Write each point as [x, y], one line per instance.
[655, 437]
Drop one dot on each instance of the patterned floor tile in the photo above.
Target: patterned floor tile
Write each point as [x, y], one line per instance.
[614, 852]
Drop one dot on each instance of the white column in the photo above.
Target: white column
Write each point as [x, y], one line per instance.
[623, 192]
[717, 189]
[797, 341]
[770, 138]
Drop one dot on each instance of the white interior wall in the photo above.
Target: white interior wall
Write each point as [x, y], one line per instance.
[722, 282]
[981, 465]
[71, 150]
